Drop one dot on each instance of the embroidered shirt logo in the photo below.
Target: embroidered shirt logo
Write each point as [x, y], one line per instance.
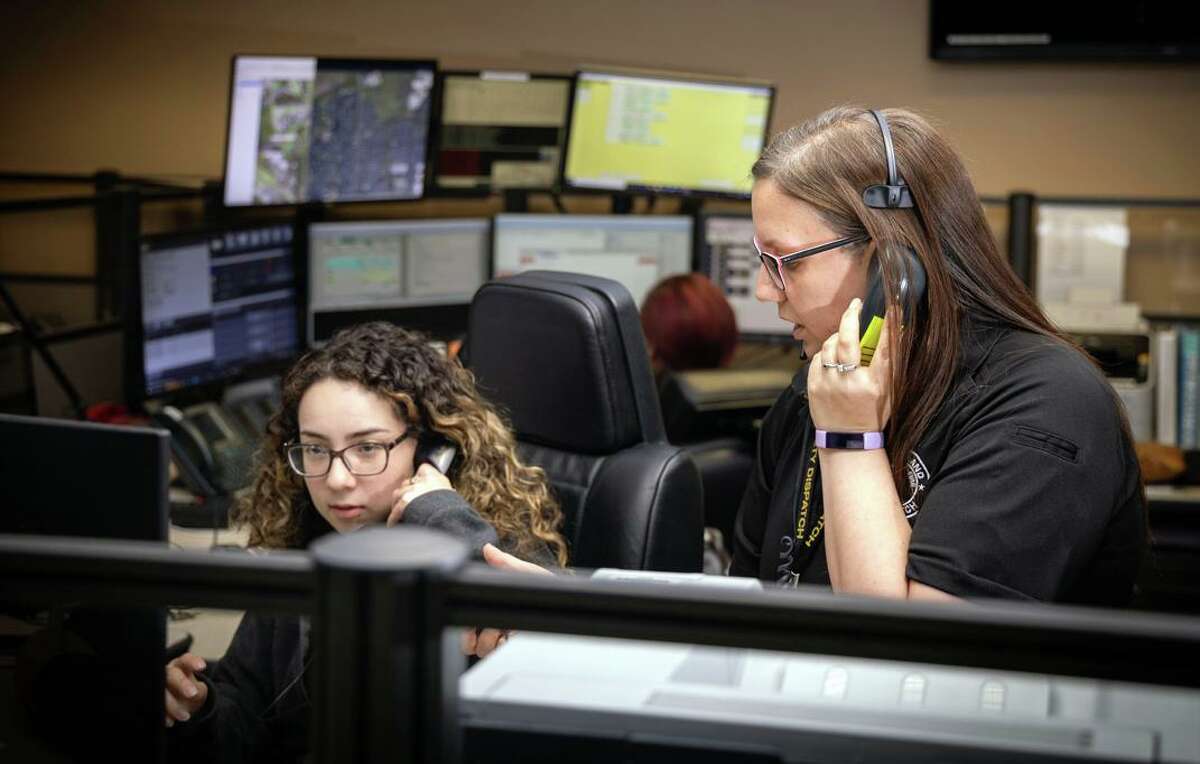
[918, 483]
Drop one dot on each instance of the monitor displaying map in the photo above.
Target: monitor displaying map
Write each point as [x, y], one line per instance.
[643, 132]
[304, 129]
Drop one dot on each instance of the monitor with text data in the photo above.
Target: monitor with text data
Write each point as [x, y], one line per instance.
[420, 274]
[305, 129]
[636, 250]
[726, 255]
[664, 134]
[500, 130]
[213, 307]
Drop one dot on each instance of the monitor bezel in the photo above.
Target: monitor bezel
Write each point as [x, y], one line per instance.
[701, 260]
[687, 193]
[435, 143]
[434, 103]
[134, 361]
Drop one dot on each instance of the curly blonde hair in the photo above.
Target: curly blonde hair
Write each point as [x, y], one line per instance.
[434, 395]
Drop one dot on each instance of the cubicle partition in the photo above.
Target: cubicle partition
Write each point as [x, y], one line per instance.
[386, 662]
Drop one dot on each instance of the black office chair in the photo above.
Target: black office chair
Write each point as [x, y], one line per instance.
[563, 355]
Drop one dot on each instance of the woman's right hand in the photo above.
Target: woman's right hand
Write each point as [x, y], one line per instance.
[185, 693]
[426, 479]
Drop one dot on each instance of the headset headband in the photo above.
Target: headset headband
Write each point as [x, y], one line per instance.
[895, 193]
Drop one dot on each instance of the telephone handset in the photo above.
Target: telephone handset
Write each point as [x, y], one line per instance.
[190, 452]
[912, 282]
[436, 450]
[209, 447]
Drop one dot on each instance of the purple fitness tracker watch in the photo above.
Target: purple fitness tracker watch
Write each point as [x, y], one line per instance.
[863, 441]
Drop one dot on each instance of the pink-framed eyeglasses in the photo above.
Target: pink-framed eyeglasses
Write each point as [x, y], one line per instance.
[774, 263]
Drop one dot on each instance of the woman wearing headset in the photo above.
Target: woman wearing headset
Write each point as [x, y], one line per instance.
[980, 453]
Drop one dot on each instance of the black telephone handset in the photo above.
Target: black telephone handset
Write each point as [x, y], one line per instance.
[191, 453]
[912, 282]
[436, 450]
[209, 446]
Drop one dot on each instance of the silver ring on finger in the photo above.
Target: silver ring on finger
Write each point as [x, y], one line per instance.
[841, 367]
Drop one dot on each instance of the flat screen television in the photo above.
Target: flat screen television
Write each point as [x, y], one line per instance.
[1148, 30]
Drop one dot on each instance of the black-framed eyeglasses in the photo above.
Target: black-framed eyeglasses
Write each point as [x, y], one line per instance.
[774, 263]
[362, 459]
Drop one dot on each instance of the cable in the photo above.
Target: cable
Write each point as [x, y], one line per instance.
[286, 688]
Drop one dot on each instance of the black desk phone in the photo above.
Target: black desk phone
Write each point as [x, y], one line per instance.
[211, 448]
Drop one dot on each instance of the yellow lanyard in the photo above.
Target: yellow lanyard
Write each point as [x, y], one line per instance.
[806, 492]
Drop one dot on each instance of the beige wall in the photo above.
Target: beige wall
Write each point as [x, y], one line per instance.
[141, 85]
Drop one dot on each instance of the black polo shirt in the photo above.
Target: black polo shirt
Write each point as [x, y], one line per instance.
[1023, 487]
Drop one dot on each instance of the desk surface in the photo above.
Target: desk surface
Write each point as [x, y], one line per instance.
[1174, 494]
[211, 630]
[203, 538]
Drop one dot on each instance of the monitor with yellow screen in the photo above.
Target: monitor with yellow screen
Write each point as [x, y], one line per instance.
[635, 132]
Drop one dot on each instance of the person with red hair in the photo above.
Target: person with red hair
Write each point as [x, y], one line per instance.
[688, 324]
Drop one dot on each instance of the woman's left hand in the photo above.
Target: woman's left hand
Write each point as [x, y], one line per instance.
[481, 642]
[852, 398]
[425, 480]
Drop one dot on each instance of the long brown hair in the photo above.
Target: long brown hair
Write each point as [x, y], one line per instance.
[432, 394]
[827, 162]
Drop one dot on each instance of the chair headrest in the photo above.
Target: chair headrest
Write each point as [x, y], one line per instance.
[564, 355]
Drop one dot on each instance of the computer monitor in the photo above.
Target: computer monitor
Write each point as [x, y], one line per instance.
[67, 478]
[115, 482]
[306, 129]
[211, 308]
[725, 252]
[420, 274]
[500, 130]
[546, 697]
[636, 250]
[672, 134]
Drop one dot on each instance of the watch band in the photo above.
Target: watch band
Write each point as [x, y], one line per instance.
[863, 441]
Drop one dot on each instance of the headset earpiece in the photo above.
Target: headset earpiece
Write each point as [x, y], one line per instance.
[894, 194]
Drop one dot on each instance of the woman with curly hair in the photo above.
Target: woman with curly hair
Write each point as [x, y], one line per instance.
[348, 448]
